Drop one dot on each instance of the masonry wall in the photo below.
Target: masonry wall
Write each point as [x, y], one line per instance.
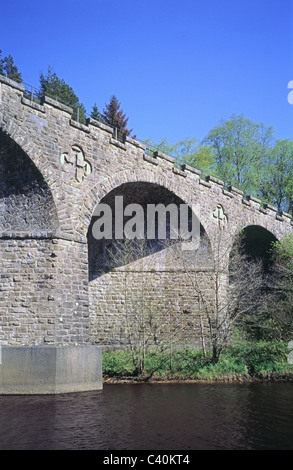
[163, 306]
[27, 308]
[53, 173]
[44, 292]
[159, 297]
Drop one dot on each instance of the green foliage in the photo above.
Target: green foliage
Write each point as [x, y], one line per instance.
[117, 363]
[54, 87]
[244, 359]
[8, 68]
[95, 114]
[262, 356]
[240, 147]
[283, 251]
[277, 180]
[187, 151]
[280, 309]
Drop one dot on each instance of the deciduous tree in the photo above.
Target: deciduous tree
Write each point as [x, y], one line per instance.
[280, 306]
[276, 185]
[241, 148]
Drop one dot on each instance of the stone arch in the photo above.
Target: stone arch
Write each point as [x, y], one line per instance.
[258, 242]
[264, 222]
[159, 276]
[142, 194]
[19, 136]
[94, 194]
[25, 196]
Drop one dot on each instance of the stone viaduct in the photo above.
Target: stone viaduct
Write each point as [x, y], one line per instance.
[55, 287]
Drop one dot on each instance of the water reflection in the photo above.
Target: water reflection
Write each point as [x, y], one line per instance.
[152, 417]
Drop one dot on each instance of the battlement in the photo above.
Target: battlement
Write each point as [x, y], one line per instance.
[12, 91]
[157, 159]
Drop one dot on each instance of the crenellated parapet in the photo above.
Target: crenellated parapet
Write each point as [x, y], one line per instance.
[57, 145]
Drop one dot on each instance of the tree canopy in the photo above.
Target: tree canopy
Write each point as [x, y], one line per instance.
[95, 114]
[243, 154]
[187, 151]
[276, 185]
[54, 87]
[240, 146]
[8, 68]
[115, 117]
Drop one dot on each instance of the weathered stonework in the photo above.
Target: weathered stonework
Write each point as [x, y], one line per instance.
[53, 173]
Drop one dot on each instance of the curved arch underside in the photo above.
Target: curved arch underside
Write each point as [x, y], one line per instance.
[106, 254]
[258, 243]
[26, 202]
[135, 283]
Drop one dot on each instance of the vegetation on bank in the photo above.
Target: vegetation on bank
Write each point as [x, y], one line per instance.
[245, 361]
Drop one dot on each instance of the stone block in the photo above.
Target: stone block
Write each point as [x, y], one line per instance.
[29, 370]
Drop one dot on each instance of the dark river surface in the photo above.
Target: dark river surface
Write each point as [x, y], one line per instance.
[152, 417]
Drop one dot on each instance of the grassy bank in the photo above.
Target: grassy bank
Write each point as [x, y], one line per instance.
[255, 361]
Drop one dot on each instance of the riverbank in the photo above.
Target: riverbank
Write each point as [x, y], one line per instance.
[244, 379]
[247, 362]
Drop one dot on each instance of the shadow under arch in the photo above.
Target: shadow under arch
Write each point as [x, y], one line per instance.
[257, 243]
[26, 201]
[100, 251]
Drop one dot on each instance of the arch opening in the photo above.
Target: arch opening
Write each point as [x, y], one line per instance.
[158, 225]
[257, 244]
[26, 202]
[149, 283]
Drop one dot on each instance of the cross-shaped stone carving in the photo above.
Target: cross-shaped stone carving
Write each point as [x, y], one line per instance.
[220, 216]
[82, 168]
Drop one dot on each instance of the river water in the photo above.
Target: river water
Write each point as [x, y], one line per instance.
[152, 417]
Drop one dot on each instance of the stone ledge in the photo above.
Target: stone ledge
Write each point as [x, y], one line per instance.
[33, 105]
[164, 156]
[227, 193]
[49, 101]
[287, 215]
[270, 207]
[12, 83]
[27, 235]
[253, 199]
[232, 189]
[151, 160]
[177, 171]
[38, 370]
[135, 142]
[78, 125]
[246, 202]
[99, 125]
[212, 179]
[117, 143]
[45, 235]
[191, 169]
[205, 183]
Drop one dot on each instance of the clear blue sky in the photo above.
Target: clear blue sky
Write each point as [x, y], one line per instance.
[177, 66]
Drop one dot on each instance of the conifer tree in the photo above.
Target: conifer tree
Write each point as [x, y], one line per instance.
[95, 114]
[115, 117]
[54, 87]
[8, 68]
